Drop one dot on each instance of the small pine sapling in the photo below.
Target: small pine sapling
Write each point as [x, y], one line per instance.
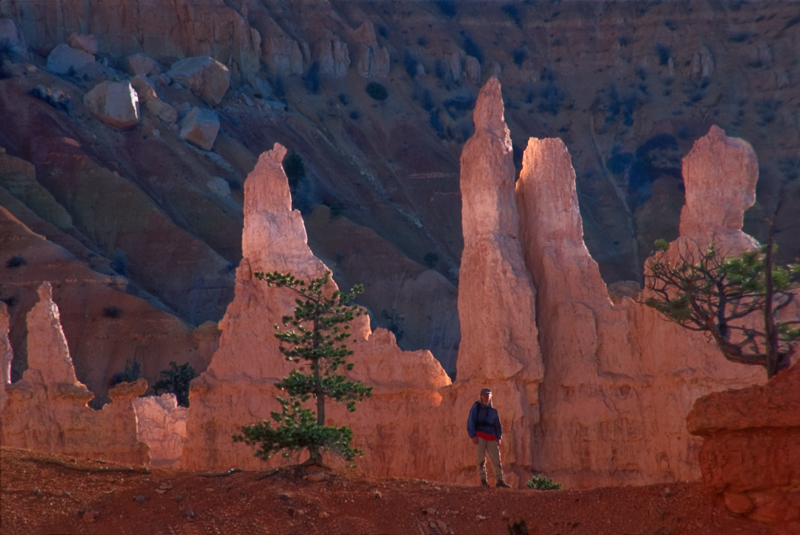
[315, 336]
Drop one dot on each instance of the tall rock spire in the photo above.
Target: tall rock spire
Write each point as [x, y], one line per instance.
[496, 299]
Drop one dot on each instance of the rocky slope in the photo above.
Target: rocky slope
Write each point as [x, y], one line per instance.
[628, 87]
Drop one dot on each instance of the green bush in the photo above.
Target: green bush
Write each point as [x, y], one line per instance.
[540, 482]
[133, 370]
[294, 168]
[176, 381]
[377, 91]
[430, 260]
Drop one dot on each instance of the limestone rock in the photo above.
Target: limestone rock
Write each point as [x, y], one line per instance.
[619, 379]
[163, 111]
[200, 127]
[145, 89]
[702, 64]
[161, 424]
[46, 410]
[204, 76]
[237, 389]
[455, 66]
[114, 103]
[751, 451]
[18, 177]
[87, 43]
[6, 356]
[373, 60]
[711, 212]
[140, 64]
[283, 55]
[333, 56]
[65, 59]
[11, 34]
[180, 29]
[493, 278]
[472, 68]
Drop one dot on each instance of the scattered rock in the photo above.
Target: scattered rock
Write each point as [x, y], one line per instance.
[114, 103]
[145, 89]
[323, 514]
[377, 495]
[162, 110]
[139, 498]
[11, 34]
[65, 60]
[285, 497]
[86, 43]
[200, 127]
[204, 76]
[318, 476]
[89, 516]
[140, 64]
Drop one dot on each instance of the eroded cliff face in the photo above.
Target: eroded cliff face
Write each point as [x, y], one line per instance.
[751, 449]
[619, 380]
[47, 409]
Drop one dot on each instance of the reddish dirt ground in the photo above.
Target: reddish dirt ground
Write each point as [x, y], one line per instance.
[41, 497]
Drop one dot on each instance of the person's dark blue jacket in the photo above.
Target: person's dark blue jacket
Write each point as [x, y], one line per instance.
[485, 419]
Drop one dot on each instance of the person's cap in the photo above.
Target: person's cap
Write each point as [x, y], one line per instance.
[485, 391]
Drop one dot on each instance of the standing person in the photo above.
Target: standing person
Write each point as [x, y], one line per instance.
[483, 427]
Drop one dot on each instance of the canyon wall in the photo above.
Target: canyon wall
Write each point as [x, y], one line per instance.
[47, 409]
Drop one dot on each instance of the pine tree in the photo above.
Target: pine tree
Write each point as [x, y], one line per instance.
[314, 336]
[736, 300]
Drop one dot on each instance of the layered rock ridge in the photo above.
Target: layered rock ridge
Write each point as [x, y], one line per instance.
[619, 380]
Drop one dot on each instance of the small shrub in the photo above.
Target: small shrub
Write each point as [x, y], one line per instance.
[355, 115]
[513, 13]
[472, 49]
[120, 263]
[410, 63]
[430, 260]
[344, 98]
[294, 168]
[311, 78]
[383, 31]
[336, 209]
[377, 91]
[10, 301]
[663, 54]
[16, 261]
[133, 371]
[395, 323]
[447, 7]
[112, 312]
[540, 482]
[176, 381]
[519, 55]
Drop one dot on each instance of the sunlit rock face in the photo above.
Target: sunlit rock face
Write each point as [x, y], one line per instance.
[751, 452]
[47, 409]
[619, 380]
[6, 356]
[161, 424]
[237, 389]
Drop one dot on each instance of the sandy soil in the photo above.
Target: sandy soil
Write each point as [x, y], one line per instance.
[40, 496]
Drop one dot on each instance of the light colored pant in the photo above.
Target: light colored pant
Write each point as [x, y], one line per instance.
[482, 448]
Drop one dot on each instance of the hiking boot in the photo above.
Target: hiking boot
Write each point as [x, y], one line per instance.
[484, 483]
[502, 484]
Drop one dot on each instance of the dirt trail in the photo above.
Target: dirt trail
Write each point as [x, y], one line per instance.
[41, 497]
